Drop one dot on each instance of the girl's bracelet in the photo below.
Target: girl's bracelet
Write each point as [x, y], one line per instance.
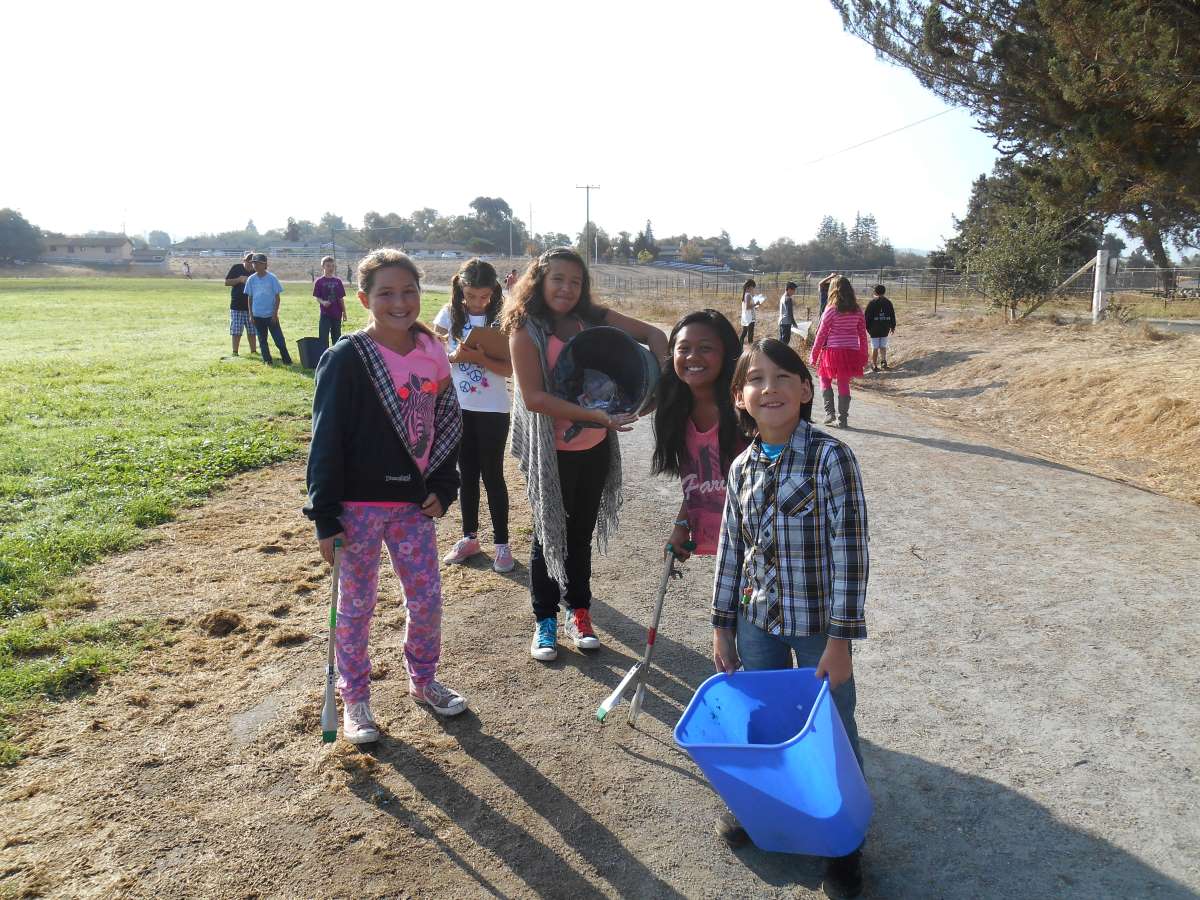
[683, 523]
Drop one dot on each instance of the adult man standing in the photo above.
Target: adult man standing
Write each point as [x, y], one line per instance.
[239, 312]
[263, 290]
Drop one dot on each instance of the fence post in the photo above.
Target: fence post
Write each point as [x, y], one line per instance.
[1099, 287]
[937, 279]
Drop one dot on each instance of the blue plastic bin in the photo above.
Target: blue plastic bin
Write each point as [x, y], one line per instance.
[773, 746]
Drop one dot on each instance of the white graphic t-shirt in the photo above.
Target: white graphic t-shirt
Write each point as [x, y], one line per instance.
[479, 389]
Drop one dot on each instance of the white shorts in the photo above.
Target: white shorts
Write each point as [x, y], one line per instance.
[879, 343]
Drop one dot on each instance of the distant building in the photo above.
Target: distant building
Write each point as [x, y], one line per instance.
[105, 251]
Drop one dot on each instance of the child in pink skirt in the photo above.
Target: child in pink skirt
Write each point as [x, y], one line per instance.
[840, 349]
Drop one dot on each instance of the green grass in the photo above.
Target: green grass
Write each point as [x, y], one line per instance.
[120, 404]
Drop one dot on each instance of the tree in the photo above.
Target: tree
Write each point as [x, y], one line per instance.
[940, 259]
[329, 222]
[19, 241]
[597, 241]
[492, 212]
[781, 256]
[1017, 258]
[423, 221]
[250, 228]
[691, 252]
[555, 239]
[1009, 191]
[159, 239]
[1096, 100]
[623, 248]
[292, 231]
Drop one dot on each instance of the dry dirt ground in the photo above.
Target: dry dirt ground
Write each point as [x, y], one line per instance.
[1120, 401]
[1027, 702]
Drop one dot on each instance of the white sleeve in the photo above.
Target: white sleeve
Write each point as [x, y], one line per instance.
[442, 319]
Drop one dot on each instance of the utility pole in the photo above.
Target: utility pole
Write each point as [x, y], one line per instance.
[587, 222]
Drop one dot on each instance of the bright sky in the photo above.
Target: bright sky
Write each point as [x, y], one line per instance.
[699, 116]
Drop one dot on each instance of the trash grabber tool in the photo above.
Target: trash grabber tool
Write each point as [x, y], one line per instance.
[615, 697]
[643, 668]
[639, 668]
[329, 714]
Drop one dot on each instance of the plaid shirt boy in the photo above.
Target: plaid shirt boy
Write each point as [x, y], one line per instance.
[793, 547]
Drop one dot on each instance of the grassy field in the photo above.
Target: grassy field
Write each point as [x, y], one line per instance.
[120, 403]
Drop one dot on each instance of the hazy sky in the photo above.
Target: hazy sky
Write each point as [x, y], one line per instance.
[699, 116]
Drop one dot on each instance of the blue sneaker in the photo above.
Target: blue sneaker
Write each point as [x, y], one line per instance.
[545, 640]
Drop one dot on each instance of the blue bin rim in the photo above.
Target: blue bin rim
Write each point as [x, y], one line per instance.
[721, 676]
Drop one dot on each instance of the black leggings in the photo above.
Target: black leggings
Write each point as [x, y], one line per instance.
[481, 453]
[582, 474]
[747, 336]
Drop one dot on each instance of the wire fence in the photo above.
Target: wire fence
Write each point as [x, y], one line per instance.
[940, 286]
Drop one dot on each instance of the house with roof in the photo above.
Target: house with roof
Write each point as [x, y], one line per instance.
[92, 251]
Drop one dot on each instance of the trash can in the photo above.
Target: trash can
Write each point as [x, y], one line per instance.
[773, 746]
[630, 369]
[311, 349]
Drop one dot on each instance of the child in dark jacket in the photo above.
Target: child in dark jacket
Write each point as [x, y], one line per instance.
[381, 467]
[881, 322]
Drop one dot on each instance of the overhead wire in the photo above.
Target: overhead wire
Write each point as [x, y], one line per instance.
[878, 137]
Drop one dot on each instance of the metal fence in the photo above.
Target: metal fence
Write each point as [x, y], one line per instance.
[936, 285]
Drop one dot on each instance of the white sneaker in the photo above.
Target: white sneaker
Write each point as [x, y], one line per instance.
[439, 698]
[544, 646]
[358, 725]
[578, 627]
[504, 559]
[462, 551]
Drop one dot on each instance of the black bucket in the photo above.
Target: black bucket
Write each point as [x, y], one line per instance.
[610, 351]
[311, 349]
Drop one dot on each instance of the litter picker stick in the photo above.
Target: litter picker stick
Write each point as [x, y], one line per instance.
[635, 705]
[615, 697]
[640, 668]
[329, 715]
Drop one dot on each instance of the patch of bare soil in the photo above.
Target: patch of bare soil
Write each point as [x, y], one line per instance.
[1025, 703]
[1123, 402]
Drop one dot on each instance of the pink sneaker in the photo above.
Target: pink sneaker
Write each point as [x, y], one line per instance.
[504, 559]
[463, 550]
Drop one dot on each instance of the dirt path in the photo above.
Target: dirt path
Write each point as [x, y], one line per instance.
[1027, 699]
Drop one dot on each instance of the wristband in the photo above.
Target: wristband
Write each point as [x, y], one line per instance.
[683, 523]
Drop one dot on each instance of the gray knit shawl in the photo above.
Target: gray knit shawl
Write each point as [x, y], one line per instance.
[533, 446]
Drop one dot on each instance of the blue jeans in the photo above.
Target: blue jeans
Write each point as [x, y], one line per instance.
[761, 650]
[263, 325]
[329, 330]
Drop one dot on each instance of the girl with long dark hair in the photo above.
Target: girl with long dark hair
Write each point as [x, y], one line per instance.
[695, 424]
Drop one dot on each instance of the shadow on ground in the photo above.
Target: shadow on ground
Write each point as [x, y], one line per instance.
[980, 839]
[545, 871]
[974, 450]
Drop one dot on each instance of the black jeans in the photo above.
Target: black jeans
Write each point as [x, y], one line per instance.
[263, 325]
[747, 336]
[582, 474]
[481, 453]
[785, 332]
[329, 330]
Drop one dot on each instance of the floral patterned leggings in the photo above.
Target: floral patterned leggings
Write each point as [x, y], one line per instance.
[412, 544]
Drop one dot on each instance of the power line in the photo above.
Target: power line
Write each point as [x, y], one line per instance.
[877, 137]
